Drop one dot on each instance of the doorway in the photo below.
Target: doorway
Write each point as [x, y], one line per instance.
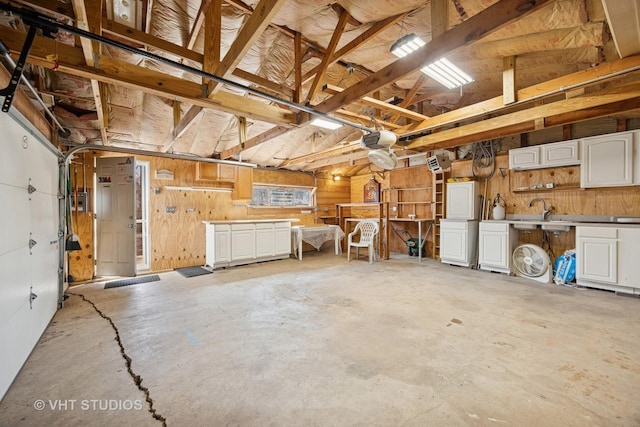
[142, 216]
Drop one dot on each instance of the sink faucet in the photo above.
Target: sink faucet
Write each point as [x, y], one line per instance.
[545, 211]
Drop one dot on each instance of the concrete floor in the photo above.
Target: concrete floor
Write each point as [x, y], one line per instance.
[322, 342]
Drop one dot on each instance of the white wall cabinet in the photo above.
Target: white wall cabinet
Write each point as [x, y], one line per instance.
[461, 199]
[606, 258]
[458, 242]
[563, 153]
[497, 240]
[636, 157]
[607, 160]
[524, 158]
[230, 243]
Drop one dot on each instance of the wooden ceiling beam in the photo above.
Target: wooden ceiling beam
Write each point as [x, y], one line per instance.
[368, 34]
[475, 28]
[252, 142]
[615, 100]
[197, 24]
[381, 105]
[89, 18]
[49, 6]
[502, 125]
[252, 29]
[324, 64]
[112, 28]
[593, 75]
[113, 71]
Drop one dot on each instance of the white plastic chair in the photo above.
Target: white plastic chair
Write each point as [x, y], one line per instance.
[368, 231]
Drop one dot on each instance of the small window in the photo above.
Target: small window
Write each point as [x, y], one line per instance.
[280, 196]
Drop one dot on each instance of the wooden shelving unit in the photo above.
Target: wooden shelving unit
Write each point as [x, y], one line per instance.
[438, 208]
[563, 178]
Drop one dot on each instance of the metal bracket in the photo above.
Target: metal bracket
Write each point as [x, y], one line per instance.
[32, 297]
[30, 189]
[32, 243]
[10, 90]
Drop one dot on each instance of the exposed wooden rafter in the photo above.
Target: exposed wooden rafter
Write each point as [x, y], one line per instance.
[469, 31]
[113, 71]
[90, 21]
[380, 105]
[326, 59]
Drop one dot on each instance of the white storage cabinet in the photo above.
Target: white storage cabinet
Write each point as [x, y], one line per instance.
[497, 240]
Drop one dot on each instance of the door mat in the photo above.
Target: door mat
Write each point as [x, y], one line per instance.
[134, 281]
[193, 271]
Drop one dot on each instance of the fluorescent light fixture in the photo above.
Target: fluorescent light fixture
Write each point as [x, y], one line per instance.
[406, 45]
[327, 124]
[447, 74]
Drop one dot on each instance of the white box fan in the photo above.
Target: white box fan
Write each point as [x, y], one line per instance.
[532, 262]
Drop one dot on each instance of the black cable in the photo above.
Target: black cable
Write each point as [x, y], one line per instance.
[137, 379]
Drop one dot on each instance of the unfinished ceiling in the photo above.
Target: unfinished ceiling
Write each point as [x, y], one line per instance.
[535, 64]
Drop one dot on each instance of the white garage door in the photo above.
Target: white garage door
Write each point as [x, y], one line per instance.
[25, 218]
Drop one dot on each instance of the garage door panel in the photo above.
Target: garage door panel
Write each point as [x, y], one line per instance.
[45, 256]
[43, 177]
[15, 217]
[15, 279]
[44, 214]
[14, 157]
[34, 318]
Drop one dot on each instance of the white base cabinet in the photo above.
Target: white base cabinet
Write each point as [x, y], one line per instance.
[230, 243]
[496, 242]
[458, 242]
[606, 258]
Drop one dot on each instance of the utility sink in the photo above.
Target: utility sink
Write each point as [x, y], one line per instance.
[521, 225]
[555, 226]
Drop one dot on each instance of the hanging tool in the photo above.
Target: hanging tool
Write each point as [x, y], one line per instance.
[72, 242]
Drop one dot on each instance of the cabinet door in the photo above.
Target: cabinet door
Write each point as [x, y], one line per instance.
[453, 245]
[607, 160]
[265, 244]
[494, 249]
[524, 158]
[461, 200]
[596, 257]
[560, 154]
[222, 244]
[283, 238]
[243, 242]
[636, 158]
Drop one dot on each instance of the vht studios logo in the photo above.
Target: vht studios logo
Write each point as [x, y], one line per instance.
[88, 405]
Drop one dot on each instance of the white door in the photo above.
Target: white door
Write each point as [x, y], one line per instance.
[524, 158]
[116, 214]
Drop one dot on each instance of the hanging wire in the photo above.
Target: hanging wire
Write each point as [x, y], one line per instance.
[483, 156]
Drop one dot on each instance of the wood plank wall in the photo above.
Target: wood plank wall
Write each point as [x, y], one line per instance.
[619, 201]
[177, 239]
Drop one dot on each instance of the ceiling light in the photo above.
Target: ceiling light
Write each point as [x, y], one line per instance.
[406, 45]
[327, 124]
[447, 74]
